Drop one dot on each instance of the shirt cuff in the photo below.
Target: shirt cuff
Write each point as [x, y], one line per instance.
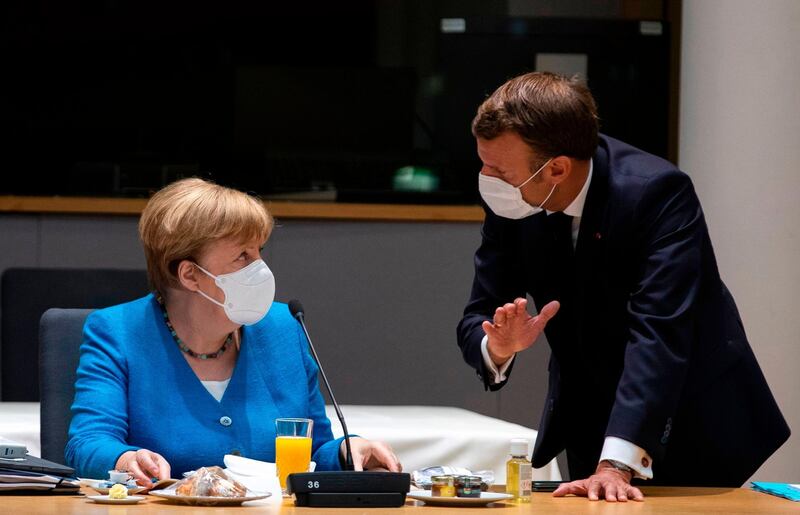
[499, 375]
[630, 454]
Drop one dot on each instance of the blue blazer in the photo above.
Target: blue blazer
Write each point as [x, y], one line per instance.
[135, 390]
[648, 345]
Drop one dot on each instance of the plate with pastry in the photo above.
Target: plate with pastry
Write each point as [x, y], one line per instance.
[117, 494]
[208, 486]
[107, 499]
[102, 486]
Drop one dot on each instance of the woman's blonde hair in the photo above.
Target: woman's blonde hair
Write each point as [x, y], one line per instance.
[182, 218]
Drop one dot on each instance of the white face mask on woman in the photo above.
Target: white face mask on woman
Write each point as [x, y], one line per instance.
[249, 292]
[506, 200]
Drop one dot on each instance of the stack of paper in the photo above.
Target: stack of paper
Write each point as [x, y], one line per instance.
[785, 490]
[11, 480]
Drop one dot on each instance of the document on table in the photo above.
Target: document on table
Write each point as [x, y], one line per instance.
[22, 480]
[785, 490]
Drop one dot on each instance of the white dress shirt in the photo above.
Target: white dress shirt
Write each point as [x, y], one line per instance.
[614, 448]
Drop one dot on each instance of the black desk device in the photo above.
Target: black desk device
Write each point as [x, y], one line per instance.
[349, 489]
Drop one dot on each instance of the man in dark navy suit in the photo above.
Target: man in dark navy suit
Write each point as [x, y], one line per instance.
[651, 374]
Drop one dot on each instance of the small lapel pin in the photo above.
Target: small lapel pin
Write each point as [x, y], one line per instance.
[598, 236]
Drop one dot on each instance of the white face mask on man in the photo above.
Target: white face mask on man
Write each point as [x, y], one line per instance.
[506, 200]
[249, 292]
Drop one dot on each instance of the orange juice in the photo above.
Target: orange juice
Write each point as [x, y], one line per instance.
[292, 454]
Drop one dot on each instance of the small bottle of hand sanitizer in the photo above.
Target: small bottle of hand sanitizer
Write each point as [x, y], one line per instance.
[519, 472]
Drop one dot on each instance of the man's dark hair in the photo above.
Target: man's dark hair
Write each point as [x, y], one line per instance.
[553, 114]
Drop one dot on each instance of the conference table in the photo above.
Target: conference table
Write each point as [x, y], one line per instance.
[20, 421]
[658, 500]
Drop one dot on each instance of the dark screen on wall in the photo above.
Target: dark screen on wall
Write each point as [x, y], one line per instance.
[119, 98]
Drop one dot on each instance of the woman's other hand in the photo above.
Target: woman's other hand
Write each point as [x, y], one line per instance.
[369, 455]
[144, 465]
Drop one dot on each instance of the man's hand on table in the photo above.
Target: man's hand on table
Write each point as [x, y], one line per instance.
[607, 481]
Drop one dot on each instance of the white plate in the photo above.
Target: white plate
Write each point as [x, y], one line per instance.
[104, 499]
[485, 498]
[131, 490]
[99, 486]
[206, 501]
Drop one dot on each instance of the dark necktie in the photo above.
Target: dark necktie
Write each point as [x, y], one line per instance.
[561, 269]
[559, 226]
[560, 278]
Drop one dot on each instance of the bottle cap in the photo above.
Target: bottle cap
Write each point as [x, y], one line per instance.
[519, 447]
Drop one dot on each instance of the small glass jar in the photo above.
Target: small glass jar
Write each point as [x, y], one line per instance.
[443, 486]
[468, 486]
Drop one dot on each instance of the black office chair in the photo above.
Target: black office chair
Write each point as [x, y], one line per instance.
[60, 337]
[28, 292]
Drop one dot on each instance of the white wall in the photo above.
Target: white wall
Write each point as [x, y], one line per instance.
[740, 142]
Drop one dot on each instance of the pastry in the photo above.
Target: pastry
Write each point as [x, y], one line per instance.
[118, 491]
[210, 482]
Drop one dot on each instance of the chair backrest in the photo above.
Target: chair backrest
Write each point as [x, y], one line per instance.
[60, 337]
[28, 292]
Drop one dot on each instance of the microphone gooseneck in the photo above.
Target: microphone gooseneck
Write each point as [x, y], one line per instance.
[296, 309]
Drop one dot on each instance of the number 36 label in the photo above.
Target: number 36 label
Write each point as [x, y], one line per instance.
[313, 484]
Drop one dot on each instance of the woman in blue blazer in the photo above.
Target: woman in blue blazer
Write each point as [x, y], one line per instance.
[204, 365]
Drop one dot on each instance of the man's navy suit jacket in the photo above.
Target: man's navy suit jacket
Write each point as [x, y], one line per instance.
[648, 345]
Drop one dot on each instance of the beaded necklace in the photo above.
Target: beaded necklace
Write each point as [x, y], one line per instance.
[182, 346]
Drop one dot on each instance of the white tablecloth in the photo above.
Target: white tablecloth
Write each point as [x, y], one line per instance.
[19, 422]
[421, 436]
[425, 436]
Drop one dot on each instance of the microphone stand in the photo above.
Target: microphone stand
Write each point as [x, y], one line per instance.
[345, 488]
[348, 454]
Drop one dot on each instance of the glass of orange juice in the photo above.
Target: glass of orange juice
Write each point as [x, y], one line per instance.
[292, 446]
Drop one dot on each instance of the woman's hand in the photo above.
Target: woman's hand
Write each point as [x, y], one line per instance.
[144, 465]
[369, 455]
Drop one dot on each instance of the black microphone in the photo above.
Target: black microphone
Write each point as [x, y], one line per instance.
[343, 488]
[296, 309]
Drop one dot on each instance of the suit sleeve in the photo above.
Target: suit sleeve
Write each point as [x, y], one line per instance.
[497, 281]
[661, 311]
